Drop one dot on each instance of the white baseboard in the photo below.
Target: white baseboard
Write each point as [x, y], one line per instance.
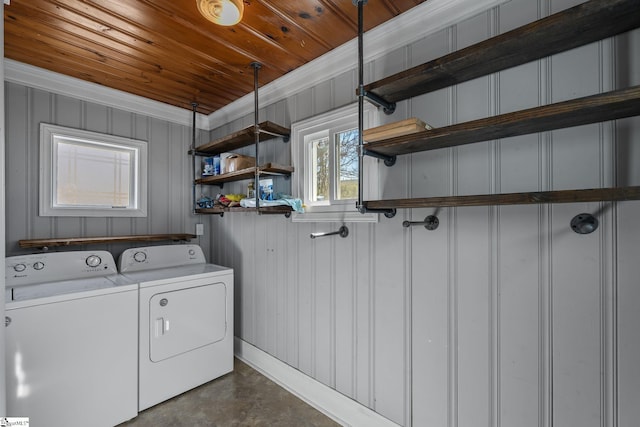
[335, 405]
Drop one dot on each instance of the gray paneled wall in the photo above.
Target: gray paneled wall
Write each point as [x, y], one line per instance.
[502, 316]
[169, 208]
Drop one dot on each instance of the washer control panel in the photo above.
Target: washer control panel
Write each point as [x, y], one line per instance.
[57, 266]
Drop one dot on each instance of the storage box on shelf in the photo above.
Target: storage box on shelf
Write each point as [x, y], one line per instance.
[577, 26]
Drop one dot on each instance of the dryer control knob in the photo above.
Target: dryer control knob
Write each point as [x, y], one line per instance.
[38, 265]
[19, 267]
[192, 252]
[93, 260]
[140, 257]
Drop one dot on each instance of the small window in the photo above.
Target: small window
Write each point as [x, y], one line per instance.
[85, 173]
[325, 152]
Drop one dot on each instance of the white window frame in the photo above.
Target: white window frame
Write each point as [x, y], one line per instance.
[49, 137]
[302, 133]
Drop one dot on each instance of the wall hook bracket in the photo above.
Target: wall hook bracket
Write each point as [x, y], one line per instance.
[430, 223]
[342, 232]
[584, 223]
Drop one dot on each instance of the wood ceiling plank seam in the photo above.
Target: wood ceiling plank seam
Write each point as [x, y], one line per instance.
[101, 77]
[90, 36]
[300, 60]
[391, 7]
[134, 28]
[293, 22]
[135, 89]
[178, 14]
[248, 85]
[373, 16]
[350, 19]
[144, 66]
[345, 33]
[79, 64]
[247, 56]
[153, 66]
[398, 7]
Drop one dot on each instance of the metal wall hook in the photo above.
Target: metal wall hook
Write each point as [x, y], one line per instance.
[342, 232]
[584, 223]
[430, 223]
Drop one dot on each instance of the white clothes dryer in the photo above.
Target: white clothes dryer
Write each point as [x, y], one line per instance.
[71, 340]
[185, 318]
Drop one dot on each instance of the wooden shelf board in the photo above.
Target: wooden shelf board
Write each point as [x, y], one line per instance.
[264, 210]
[577, 26]
[561, 196]
[242, 138]
[248, 173]
[596, 108]
[71, 241]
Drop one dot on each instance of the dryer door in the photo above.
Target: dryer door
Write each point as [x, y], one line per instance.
[186, 319]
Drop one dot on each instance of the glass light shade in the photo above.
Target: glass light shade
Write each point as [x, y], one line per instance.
[221, 12]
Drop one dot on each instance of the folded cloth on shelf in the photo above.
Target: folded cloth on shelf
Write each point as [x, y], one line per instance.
[282, 200]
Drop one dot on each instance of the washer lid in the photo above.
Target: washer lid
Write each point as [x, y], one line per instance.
[42, 290]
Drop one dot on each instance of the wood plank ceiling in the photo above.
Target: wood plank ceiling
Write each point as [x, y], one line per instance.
[166, 51]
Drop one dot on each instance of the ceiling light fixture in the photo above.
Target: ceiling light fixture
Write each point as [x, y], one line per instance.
[221, 12]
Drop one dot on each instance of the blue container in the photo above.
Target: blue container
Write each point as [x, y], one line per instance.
[207, 166]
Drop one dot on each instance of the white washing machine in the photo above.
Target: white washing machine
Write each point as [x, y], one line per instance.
[185, 317]
[71, 340]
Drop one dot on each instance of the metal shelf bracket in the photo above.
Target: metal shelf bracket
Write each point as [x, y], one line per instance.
[388, 160]
[388, 107]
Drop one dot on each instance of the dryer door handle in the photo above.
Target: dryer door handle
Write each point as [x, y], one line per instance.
[161, 326]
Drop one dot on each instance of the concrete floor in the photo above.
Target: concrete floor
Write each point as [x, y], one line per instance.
[241, 398]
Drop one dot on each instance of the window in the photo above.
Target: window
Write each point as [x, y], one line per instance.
[325, 153]
[85, 173]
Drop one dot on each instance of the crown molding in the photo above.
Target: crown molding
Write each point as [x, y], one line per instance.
[425, 19]
[39, 78]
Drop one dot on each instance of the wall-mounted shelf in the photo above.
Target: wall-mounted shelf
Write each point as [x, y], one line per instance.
[251, 135]
[243, 138]
[591, 109]
[586, 23]
[574, 27]
[561, 196]
[73, 241]
[248, 173]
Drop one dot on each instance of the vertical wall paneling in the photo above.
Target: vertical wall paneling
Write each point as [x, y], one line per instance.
[626, 302]
[345, 312]
[430, 321]
[577, 305]
[306, 304]
[519, 306]
[364, 354]
[168, 186]
[389, 299]
[3, 127]
[324, 250]
[20, 171]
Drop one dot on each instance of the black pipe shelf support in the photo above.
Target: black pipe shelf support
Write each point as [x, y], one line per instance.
[388, 107]
[388, 160]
